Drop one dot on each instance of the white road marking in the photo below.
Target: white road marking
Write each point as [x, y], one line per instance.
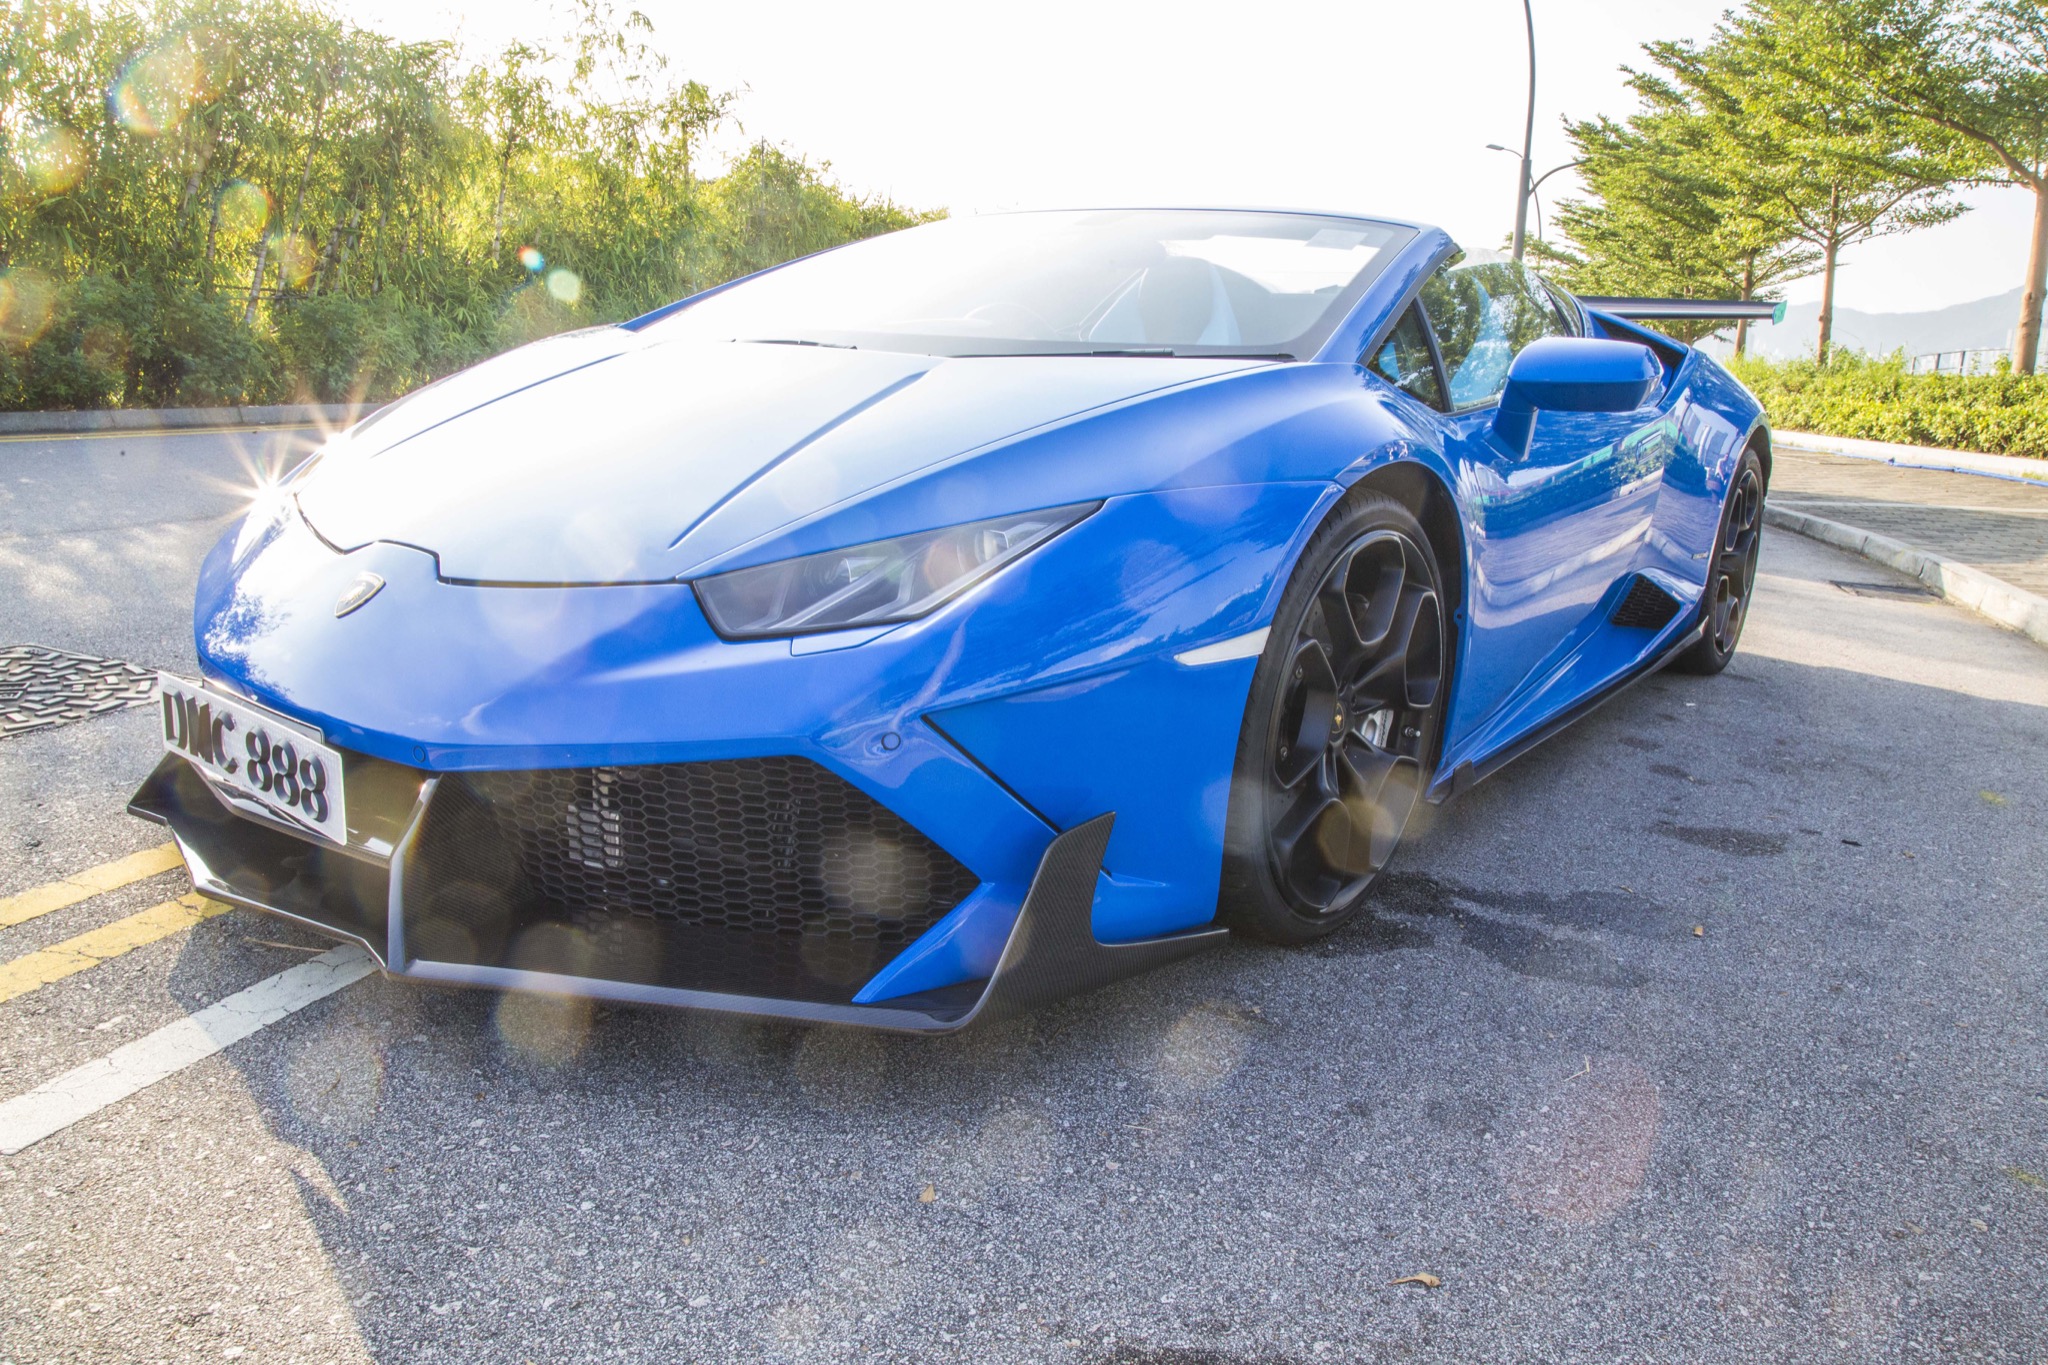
[1243, 646]
[83, 1091]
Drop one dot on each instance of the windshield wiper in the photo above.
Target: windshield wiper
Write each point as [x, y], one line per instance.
[797, 341]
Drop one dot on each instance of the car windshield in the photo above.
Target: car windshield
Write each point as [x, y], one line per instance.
[1102, 282]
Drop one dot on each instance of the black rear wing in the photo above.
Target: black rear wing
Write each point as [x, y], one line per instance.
[1688, 310]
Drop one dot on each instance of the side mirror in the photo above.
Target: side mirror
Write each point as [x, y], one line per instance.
[1572, 374]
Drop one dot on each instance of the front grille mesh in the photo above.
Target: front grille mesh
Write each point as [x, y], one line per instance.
[766, 876]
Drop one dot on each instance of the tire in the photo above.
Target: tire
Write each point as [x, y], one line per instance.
[1342, 726]
[1732, 582]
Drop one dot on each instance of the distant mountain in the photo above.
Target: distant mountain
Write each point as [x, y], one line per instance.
[1983, 324]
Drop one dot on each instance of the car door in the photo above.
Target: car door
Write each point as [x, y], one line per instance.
[1551, 531]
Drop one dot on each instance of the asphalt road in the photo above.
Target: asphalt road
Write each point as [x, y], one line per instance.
[1712, 1030]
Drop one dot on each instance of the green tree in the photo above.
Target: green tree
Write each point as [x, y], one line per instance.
[1671, 214]
[244, 200]
[1973, 72]
[1833, 167]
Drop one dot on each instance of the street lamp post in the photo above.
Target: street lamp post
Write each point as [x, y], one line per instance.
[1537, 183]
[1523, 189]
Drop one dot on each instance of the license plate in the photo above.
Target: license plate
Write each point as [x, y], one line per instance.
[256, 753]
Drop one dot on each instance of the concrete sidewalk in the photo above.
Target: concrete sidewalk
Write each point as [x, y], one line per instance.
[1996, 527]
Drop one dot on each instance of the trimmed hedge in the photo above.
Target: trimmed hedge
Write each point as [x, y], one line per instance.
[1998, 414]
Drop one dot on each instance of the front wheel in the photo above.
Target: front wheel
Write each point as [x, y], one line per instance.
[1341, 727]
[1732, 583]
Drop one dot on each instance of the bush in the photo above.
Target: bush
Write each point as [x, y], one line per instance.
[1999, 414]
[193, 351]
[65, 346]
[100, 342]
[342, 350]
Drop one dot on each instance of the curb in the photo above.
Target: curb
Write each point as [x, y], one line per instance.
[2018, 467]
[178, 419]
[1990, 597]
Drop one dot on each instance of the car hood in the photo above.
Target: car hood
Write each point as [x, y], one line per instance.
[608, 457]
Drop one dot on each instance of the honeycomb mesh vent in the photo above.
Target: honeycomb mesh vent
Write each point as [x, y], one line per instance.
[766, 875]
[1645, 607]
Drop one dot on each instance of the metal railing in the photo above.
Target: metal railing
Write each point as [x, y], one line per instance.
[1981, 360]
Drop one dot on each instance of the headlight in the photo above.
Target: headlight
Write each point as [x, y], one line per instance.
[876, 584]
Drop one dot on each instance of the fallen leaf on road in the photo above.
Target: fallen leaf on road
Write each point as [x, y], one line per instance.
[1699, 931]
[1426, 1281]
[2027, 1178]
[1993, 798]
[1980, 1225]
[927, 1194]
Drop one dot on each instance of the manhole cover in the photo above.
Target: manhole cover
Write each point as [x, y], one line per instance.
[40, 688]
[1884, 589]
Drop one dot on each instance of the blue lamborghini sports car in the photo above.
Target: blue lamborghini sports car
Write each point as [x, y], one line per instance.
[953, 620]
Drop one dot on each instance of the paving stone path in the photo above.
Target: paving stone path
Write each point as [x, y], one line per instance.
[1997, 525]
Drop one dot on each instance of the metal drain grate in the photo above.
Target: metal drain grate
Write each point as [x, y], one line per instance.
[41, 688]
[1913, 590]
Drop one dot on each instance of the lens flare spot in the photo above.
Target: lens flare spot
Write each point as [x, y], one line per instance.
[27, 299]
[336, 1080]
[841, 1070]
[548, 1029]
[244, 209]
[53, 158]
[531, 258]
[294, 256]
[105, 347]
[1016, 1144]
[523, 621]
[160, 88]
[566, 285]
[1582, 1153]
[1202, 1050]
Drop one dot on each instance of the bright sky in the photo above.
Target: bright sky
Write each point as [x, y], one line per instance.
[1376, 105]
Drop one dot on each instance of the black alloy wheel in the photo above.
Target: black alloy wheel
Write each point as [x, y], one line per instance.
[1733, 581]
[1342, 727]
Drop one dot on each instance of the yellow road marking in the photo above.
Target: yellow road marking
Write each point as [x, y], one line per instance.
[41, 900]
[15, 437]
[89, 949]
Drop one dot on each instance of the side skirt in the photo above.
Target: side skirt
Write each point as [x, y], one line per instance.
[1470, 774]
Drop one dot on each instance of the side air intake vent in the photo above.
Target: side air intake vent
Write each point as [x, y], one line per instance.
[1645, 606]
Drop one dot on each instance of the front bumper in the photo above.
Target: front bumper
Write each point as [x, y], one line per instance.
[1026, 708]
[433, 897]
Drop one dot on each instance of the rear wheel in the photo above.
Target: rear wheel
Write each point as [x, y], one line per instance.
[1341, 727]
[1732, 583]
